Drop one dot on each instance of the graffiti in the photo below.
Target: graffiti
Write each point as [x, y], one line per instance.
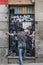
[22, 18]
[16, 23]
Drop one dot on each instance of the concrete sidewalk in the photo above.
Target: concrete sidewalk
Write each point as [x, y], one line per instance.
[25, 64]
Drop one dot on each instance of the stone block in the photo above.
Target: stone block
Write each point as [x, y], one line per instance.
[4, 25]
[3, 17]
[3, 58]
[16, 61]
[39, 60]
[39, 10]
[3, 39]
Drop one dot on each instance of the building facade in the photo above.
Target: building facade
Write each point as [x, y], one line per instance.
[4, 27]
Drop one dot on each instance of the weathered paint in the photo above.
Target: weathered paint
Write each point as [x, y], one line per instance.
[19, 2]
[3, 1]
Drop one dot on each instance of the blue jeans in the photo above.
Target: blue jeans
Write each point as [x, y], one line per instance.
[22, 48]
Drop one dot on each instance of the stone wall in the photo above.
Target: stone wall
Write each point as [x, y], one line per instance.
[39, 41]
[3, 36]
[39, 10]
[39, 28]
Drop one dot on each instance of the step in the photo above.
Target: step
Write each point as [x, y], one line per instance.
[15, 60]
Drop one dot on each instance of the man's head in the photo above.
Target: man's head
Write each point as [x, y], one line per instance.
[29, 27]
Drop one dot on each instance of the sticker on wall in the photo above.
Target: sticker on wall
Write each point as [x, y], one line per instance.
[3, 8]
[24, 10]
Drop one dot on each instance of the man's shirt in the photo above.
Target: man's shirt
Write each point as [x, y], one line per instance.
[21, 37]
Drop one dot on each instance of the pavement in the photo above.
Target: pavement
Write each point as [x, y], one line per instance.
[25, 64]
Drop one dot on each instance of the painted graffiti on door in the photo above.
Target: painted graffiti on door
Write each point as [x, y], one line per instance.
[21, 21]
[20, 18]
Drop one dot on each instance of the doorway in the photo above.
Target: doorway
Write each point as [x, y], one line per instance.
[26, 16]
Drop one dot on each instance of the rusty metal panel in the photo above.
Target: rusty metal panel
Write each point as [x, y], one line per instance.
[3, 8]
[19, 2]
[3, 17]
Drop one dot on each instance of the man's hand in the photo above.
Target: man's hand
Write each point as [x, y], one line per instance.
[11, 34]
[29, 35]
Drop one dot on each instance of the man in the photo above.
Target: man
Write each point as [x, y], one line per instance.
[21, 43]
[31, 40]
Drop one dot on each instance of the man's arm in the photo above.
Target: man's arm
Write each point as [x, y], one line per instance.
[34, 32]
[11, 34]
[31, 35]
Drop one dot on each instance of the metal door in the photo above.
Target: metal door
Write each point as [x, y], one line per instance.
[24, 14]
